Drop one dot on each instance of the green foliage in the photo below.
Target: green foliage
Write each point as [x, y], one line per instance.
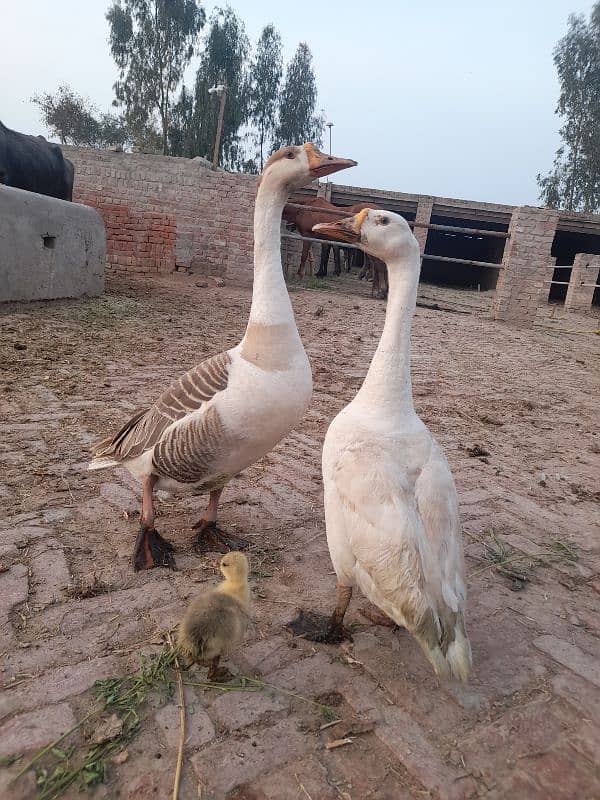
[298, 121]
[85, 766]
[257, 108]
[73, 119]
[312, 283]
[224, 60]
[8, 761]
[181, 136]
[152, 42]
[574, 181]
[265, 77]
[126, 697]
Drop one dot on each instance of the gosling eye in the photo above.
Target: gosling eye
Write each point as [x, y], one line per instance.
[290, 154]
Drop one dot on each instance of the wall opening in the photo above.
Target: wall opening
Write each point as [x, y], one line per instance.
[596, 297]
[468, 247]
[49, 242]
[565, 247]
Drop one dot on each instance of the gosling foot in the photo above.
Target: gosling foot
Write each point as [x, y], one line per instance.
[210, 539]
[216, 673]
[151, 550]
[318, 628]
[219, 675]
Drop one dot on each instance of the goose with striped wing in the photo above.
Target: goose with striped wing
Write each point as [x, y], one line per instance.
[233, 408]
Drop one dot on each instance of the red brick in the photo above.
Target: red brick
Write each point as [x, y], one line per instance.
[222, 767]
[58, 684]
[199, 728]
[35, 729]
[50, 571]
[567, 654]
[13, 590]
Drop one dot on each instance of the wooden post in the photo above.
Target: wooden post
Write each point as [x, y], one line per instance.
[215, 163]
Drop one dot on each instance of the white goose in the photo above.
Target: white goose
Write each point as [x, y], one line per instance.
[390, 503]
[230, 410]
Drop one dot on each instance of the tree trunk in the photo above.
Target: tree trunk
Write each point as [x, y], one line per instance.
[165, 134]
[575, 154]
[262, 138]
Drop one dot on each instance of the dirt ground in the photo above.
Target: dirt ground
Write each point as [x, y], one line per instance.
[517, 414]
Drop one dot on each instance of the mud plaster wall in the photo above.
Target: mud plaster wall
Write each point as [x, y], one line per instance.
[163, 213]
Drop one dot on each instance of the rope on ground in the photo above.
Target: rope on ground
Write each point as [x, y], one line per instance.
[181, 705]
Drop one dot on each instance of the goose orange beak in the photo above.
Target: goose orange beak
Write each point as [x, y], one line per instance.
[346, 230]
[321, 164]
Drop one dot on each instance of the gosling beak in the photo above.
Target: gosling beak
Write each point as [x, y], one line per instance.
[346, 230]
[321, 164]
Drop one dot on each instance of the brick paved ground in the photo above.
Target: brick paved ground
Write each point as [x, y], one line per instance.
[526, 724]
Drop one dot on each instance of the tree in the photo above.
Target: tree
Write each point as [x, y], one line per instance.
[181, 136]
[224, 60]
[574, 181]
[152, 42]
[298, 122]
[265, 77]
[73, 120]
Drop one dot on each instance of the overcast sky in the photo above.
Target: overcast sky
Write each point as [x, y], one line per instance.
[454, 99]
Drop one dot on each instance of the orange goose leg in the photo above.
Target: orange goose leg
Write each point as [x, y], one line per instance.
[150, 550]
[319, 628]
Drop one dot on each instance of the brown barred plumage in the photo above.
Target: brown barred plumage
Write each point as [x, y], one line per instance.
[187, 452]
[145, 428]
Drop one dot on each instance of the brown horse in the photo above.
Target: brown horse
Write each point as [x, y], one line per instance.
[320, 210]
[375, 271]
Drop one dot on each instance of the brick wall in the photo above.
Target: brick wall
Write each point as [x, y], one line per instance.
[164, 213]
[580, 292]
[526, 266]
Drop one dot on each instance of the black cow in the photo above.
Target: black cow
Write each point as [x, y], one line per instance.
[32, 163]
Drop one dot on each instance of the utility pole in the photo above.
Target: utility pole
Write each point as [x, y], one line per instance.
[330, 126]
[221, 91]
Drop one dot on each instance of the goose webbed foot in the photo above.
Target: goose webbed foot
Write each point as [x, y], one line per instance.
[318, 628]
[217, 674]
[151, 550]
[210, 539]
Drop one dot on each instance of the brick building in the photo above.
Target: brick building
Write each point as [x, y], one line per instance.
[163, 213]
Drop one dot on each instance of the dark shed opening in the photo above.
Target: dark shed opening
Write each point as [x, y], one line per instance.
[464, 246]
[565, 247]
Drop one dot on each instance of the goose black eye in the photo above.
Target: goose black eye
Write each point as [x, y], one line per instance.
[290, 154]
[385, 220]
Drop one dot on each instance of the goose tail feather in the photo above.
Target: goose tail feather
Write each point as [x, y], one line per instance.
[102, 463]
[449, 653]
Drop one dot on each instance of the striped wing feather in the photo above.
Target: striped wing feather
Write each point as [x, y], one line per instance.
[145, 429]
[187, 452]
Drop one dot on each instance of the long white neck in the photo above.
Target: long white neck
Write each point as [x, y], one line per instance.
[270, 299]
[388, 380]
